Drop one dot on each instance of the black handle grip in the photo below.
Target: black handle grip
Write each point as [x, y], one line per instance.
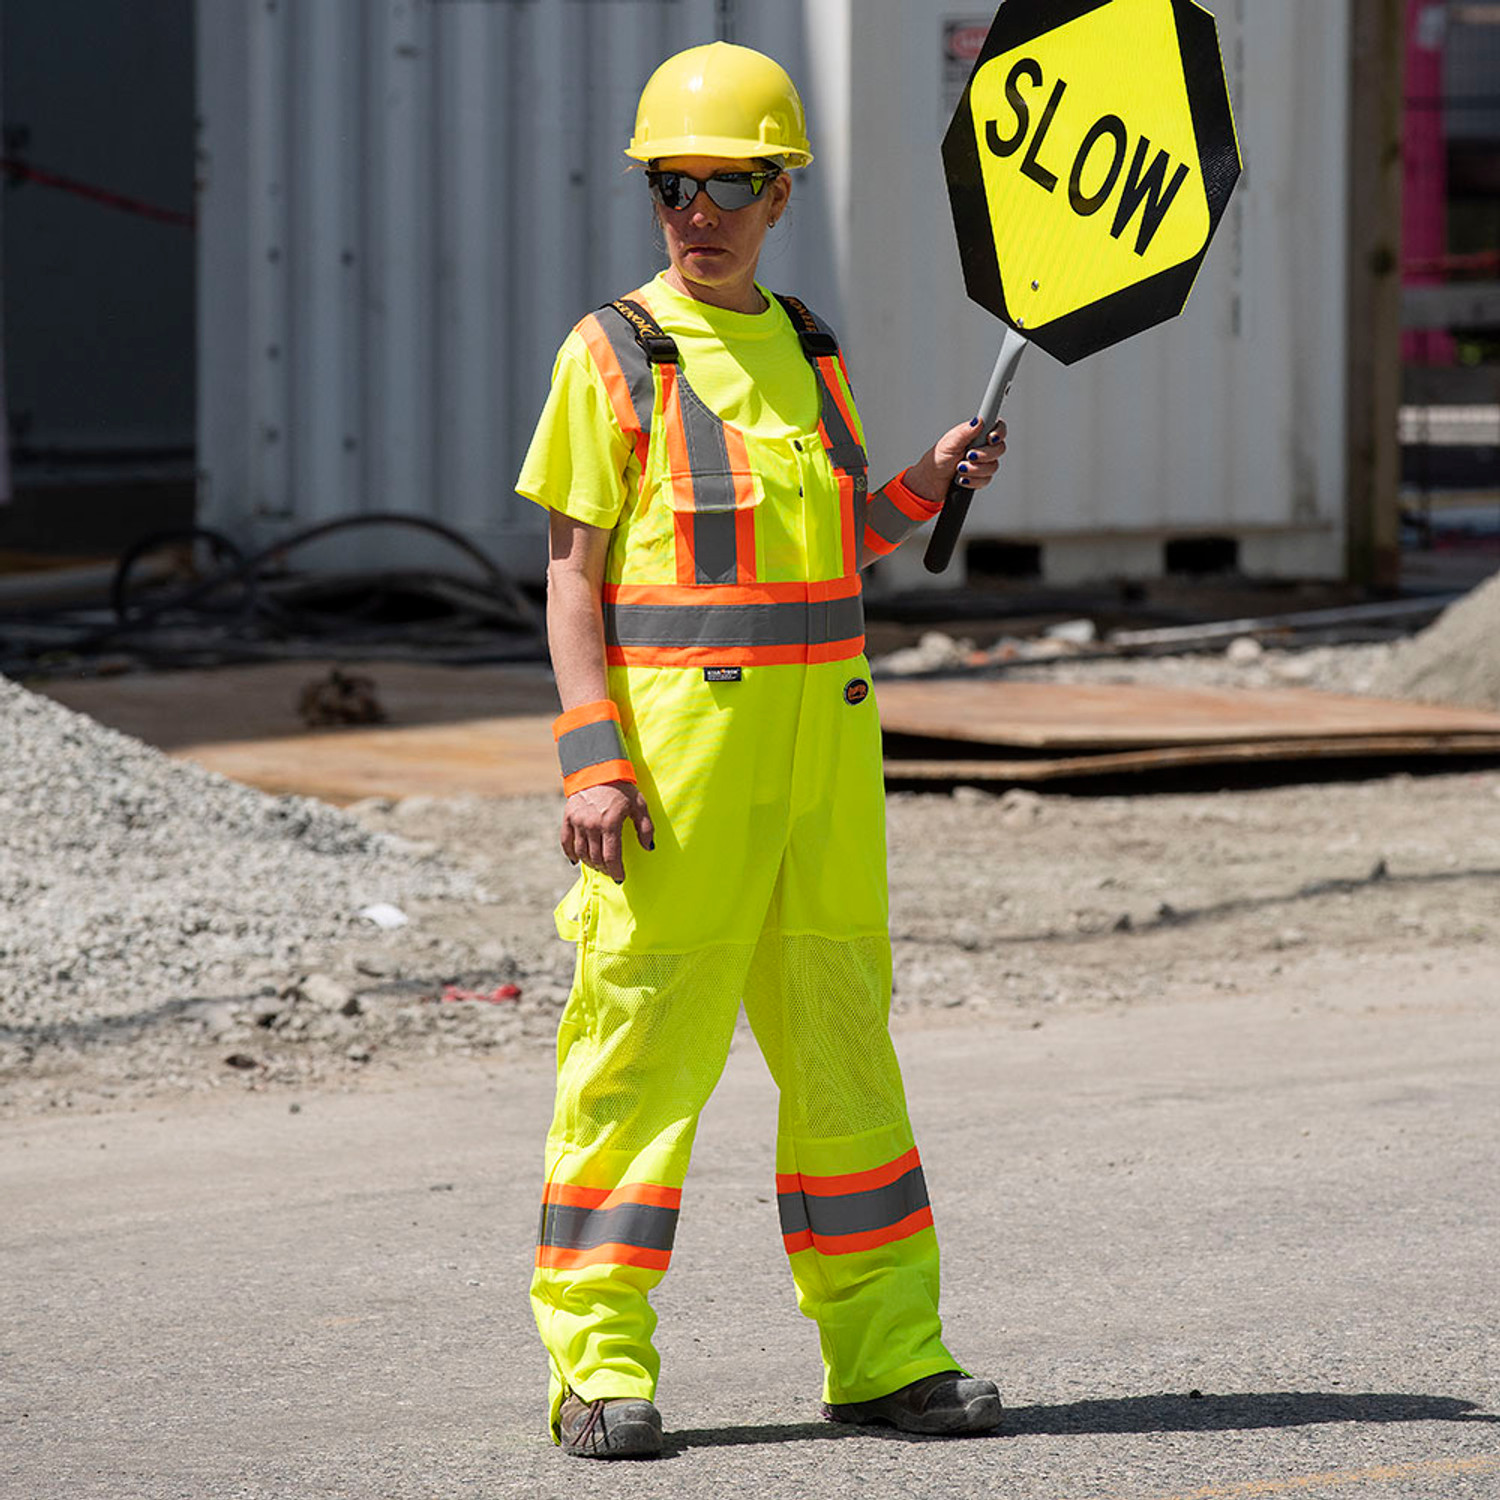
[950, 523]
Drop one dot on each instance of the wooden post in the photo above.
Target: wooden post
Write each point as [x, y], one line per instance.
[1373, 349]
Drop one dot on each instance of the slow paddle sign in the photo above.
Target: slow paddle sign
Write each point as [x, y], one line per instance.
[1089, 162]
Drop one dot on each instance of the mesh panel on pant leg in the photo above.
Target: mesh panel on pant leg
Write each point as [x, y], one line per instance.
[656, 1030]
[820, 1008]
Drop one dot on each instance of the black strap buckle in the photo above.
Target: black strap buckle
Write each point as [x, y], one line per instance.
[816, 343]
[659, 347]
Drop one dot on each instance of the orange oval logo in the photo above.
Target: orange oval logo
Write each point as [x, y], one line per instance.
[856, 690]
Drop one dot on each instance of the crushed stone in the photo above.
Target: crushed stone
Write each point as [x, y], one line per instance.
[1456, 659]
[132, 884]
[1241, 664]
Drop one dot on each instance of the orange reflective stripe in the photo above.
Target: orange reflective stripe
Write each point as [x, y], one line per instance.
[597, 775]
[587, 713]
[828, 368]
[591, 747]
[616, 386]
[630, 1192]
[852, 1244]
[556, 1258]
[853, 1211]
[633, 1224]
[908, 501]
[849, 521]
[744, 504]
[732, 656]
[892, 514]
[848, 1182]
[679, 475]
[698, 595]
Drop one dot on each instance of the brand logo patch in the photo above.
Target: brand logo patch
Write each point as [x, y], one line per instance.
[856, 690]
[722, 674]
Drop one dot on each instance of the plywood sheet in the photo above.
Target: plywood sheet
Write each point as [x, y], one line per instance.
[483, 731]
[1134, 762]
[1073, 718]
[220, 704]
[486, 731]
[511, 757]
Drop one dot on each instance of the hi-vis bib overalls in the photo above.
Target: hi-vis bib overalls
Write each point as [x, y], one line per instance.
[735, 638]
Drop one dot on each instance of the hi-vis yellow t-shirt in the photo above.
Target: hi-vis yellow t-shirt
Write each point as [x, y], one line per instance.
[748, 368]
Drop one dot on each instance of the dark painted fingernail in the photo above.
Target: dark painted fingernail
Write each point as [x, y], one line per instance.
[963, 468]
[974, 423]
[651, 847]
[618, 880]
[996, 436]
[963, 482]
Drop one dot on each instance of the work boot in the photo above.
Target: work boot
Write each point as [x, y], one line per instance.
[612, 1427]
[947, 1402]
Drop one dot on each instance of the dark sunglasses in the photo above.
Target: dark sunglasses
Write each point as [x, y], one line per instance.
[729, 190]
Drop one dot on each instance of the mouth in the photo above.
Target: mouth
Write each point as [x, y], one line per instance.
[703, 250]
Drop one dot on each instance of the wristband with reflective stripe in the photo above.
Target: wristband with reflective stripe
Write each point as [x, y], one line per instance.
[591, 747]
[894, 512]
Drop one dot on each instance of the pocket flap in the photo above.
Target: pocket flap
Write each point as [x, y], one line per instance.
[711, 491]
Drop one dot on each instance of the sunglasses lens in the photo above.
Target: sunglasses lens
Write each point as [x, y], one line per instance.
[730, 190]
[672, 189]
[732, 193]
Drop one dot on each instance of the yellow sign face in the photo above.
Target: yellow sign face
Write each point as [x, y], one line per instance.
[1089, 159]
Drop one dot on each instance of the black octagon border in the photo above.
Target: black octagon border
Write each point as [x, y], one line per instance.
[1157, 299]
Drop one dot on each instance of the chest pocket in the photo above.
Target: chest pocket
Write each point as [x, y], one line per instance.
[710, 486]
[699, 462]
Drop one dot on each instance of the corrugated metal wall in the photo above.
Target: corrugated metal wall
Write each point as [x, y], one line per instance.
[407, 203]
[1229, 419]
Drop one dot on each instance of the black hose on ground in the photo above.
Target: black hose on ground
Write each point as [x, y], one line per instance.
[245, 571]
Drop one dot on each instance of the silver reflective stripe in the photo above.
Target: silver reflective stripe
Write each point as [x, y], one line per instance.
[645, 1225]
[792, 1207]
[844, 453]
[844, 450]
[729, 625]
[859, 1213]
[633, 363]
[714, 533]
[888, 521]
[590, 745]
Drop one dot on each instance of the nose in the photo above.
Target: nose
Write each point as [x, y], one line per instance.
[703, 209]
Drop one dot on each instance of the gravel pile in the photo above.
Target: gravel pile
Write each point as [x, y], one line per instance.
[1243, 663]
[131, 883]
[1456, 659]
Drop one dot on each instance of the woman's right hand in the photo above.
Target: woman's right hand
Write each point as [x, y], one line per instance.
[593, 820]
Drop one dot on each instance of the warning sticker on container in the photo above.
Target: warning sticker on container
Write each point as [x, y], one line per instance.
[963, 40]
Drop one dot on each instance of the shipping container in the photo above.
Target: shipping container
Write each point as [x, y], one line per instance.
[405, 204]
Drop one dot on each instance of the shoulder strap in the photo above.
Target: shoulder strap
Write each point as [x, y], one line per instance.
[817, 337]
[659, 347]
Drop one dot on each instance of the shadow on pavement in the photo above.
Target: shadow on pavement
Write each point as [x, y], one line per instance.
[1164, 1413]
[1212, 1413]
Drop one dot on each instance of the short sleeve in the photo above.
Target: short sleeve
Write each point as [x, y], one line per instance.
[579, 462]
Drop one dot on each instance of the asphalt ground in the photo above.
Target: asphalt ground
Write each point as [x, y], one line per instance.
[1235, 1247]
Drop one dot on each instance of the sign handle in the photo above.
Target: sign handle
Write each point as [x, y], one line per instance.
[950, 521]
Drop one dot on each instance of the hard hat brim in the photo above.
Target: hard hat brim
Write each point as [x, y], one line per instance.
[731, 148]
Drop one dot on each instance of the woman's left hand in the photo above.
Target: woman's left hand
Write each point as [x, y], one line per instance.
[963, 453]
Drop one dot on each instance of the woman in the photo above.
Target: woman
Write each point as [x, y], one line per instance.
[703, 464]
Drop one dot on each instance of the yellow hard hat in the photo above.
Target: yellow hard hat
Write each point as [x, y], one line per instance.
[720, 100]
